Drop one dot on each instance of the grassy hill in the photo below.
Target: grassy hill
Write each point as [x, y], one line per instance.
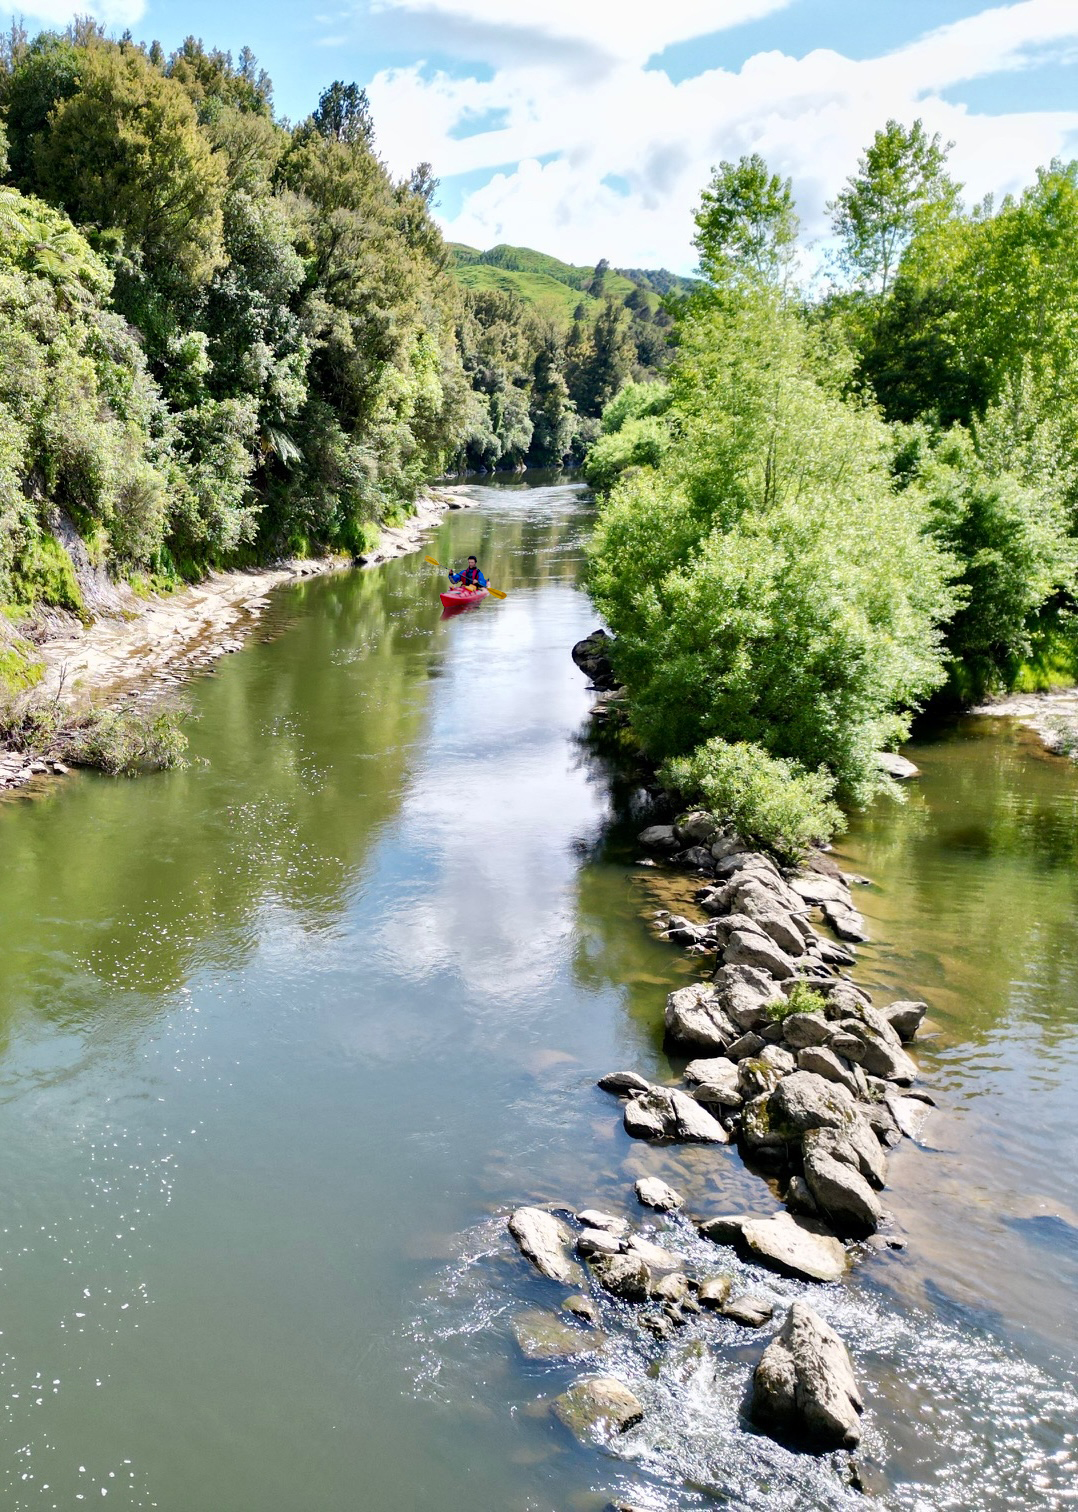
[553, 287]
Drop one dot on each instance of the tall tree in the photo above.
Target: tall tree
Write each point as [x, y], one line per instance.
[344, 114]
[901, 187]
[746, 226]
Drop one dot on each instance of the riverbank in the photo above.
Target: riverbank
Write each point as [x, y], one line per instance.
[1052, 716]
[141, 648]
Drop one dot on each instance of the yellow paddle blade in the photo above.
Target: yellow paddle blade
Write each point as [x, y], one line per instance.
[497, 592]
[432, 562]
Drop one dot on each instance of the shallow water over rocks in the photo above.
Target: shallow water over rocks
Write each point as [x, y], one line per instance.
[284, 1037]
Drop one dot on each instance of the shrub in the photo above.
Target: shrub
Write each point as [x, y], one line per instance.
[638, 443]
[773, 802]
[125, 742]
[802, 999]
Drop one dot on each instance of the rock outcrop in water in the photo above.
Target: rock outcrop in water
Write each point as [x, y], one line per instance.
[804, 1387]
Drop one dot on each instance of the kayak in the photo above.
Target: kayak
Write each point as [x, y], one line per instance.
[458, 598]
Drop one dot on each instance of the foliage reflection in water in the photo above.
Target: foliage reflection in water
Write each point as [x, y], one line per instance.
[286, 1034]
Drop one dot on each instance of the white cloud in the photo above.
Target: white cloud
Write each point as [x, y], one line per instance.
[810, 117]
[111, 13]
[608, 26]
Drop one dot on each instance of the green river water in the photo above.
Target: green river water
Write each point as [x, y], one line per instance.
[283, 1037]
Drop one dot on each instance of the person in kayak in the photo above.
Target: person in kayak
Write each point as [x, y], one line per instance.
[471, 577]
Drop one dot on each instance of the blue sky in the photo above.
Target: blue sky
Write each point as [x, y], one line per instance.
[588, 127]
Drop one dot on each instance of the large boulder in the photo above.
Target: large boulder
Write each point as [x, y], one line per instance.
[692, 1121]
[743, 993]
[716, 1080]
[804, 1387]
[659, 837]
[824, 1062]
[905, 1017]
[875, 1047]
[696, 828]
[598, 1409]
[800, 1030]
[695, 1016]
[805, 1101]
[749, 1309]
[753, 948]
[592, 656]
[626, 1276]
[847, 923]
[794, 1246]
[623, 1082]
[647, 1116]
[545, 1240]
[841, 1193]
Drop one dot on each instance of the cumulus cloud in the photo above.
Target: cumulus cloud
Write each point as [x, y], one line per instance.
[633, 126]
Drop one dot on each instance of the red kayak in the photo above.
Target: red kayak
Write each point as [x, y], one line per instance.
[460, 598]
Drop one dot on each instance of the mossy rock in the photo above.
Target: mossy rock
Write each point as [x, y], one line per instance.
[542, 1336]
[598, 1409]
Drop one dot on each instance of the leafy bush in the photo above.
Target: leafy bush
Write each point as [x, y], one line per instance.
[773, 803]
[636, 443]
[802, 999]
[126, 742]
[636, 401]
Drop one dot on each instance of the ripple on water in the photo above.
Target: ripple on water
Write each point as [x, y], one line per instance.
[953, 1418]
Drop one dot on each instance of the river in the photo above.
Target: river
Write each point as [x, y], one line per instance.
[283, 1036]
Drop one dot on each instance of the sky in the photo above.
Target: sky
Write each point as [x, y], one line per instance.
[587, 128]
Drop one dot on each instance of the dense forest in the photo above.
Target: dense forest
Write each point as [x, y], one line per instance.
[224, 337]
[849, 499]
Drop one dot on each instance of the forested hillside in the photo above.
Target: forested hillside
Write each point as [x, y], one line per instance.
[842, 506]
[223, 337]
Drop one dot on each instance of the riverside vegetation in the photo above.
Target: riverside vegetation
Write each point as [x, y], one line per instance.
[225, 338]
[844, 504]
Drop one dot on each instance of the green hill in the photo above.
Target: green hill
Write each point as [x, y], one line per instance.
[556, 288]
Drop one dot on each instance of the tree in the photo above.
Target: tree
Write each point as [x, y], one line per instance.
[125, 150]
[746, 226]
[344, 114]
[552, 415]
[901, 187]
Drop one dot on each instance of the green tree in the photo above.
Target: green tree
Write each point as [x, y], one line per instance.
[344, 114]
[901, 187]
[124, 150]
[746, 224]
[552, 413]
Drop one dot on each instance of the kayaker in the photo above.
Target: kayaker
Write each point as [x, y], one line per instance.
[471, 577]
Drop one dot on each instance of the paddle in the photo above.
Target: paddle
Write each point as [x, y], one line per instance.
[495, 592]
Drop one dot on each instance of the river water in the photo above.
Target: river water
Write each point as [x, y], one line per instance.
[284, 1036]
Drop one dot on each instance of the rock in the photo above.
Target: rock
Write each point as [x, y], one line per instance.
[909, 1114]
[817, 889]
[654, 1256]
[804, 1029]
[592, 656]
[598, 1409]
[656, 1194]
[748, 1045]
[542, 1336]
[742, 994]
[672, 1288]
[726, 1229]
[583, 1308]
[694, 1122]
[60, 770]
[685, 932]
[844, 999]
[659, 837]
[755, 949]
[661, 1324]
[804, 1386]
[645, 1119]
[621, 1082]
[799, 1199]
[878, 1055]
[696, 858]
[899, 767]
[718, 1077]
[714, 1291]
[842, 1194]
[847, 923]
[625, 1276]
[591, 1242]
[905, 1018]
[696, 828]
[727, 845]
[595, 1219]
[805, 1101]
[756, 1076]
[749, 1309]
[797, 1247]
[545, 1241]
[694, 1016]
[823, 1062]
